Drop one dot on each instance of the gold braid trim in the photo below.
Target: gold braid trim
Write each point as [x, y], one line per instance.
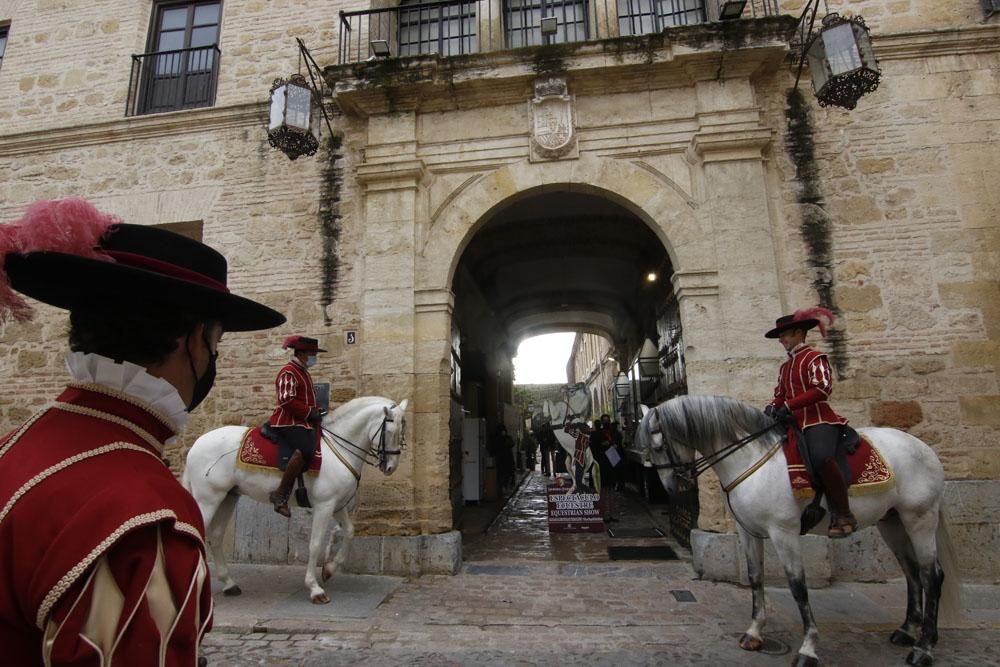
[752, 469]
[65, 463]
[115, 419]
[122, 396]
[329, 443]
[70, 577]
[20, 431]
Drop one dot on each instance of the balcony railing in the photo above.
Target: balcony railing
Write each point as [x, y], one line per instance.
[460, 27]
[173, 80]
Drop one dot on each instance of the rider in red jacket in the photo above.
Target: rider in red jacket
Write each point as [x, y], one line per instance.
[296, 417]
[805, 383]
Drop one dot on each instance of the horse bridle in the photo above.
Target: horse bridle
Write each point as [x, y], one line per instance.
[377, 455]
[694, 469]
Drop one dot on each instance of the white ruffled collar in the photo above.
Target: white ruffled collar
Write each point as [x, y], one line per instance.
[128, 378]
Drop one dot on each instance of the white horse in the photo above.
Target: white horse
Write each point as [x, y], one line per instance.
[755, 478]
[369, 429]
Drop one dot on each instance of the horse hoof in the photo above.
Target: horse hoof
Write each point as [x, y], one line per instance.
[322, 598]
[920, 658]
[748, 643]
[900, 638]
[805, 661]
[233, 591]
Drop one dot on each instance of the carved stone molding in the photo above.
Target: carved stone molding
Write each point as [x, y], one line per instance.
[694, 284]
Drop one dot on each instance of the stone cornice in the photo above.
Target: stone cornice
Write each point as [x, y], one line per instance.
[392, 175]
[746, 144]
[697, 283]
[959, 41]
[134, 128]
[660, 60]
[433, 300]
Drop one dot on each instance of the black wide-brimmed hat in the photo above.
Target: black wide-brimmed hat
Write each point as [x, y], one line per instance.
[67, 254]
[302, 344]
[803, 319]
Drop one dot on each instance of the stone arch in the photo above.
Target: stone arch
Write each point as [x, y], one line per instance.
[651, 196]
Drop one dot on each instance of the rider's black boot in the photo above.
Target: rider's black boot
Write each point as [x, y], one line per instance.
[279, 497]
[842, 522]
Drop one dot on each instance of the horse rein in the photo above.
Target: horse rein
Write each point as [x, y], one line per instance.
[375, 456]
[695, 468]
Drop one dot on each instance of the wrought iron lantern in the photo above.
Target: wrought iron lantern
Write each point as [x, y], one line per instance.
[294, 126]
[297, 110]
[623, 386]
[649, 361]
[842, 61]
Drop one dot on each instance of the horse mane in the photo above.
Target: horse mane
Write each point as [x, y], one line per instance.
[361, 402]
[700, 421]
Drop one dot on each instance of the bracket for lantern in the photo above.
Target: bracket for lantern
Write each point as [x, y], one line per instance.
[841, 59]
[294, 126]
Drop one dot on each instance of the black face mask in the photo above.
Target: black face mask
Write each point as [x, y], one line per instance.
[203, 384]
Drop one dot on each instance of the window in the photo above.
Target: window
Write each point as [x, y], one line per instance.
[181, 69]
[522, 19]
[4, 29]
[641, 17]
[445, 28]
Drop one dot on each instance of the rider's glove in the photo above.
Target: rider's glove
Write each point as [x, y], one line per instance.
[314, 415]
[784, 416]
[769, 411]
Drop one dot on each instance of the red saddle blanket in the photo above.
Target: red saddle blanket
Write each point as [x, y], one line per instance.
[869, 471]
[256, 451]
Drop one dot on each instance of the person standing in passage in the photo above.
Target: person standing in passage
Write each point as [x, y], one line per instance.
[297, 418]
[801, 397]
[102, 551]
[546, 440]
[503, 452]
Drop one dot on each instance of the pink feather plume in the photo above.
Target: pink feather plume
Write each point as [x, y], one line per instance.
[825, 318]
[72, 226]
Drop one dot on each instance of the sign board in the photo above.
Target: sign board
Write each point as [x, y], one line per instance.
[573, 512]
[352, 337]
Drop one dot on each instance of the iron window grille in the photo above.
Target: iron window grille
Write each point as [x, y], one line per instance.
[444, 28]
[522, 21]
[641, 17]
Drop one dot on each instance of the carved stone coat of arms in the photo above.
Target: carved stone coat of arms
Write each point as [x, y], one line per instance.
[553, 134]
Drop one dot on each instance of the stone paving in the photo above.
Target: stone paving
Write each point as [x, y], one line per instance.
[512, 604]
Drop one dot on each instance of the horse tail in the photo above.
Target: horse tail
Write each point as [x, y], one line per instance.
[950, 605]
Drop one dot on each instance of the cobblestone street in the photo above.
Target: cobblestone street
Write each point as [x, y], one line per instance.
[523, 609]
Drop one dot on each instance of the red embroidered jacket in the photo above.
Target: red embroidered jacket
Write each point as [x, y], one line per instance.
[296, 395]
[805, 382]
[102, 555]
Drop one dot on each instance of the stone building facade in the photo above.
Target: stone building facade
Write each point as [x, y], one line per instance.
[449, 216]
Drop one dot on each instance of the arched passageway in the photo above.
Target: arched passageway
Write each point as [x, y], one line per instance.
[554, 260]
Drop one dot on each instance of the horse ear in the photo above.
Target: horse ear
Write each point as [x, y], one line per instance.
[402, 406]
[643, 410]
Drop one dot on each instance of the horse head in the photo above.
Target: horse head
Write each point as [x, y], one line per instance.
[392, 437]
[666, 457]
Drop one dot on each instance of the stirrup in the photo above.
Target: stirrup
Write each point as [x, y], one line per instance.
[842, 525]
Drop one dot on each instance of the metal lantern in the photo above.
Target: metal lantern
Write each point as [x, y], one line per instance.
[649, 361]
[294, 124]
[842, 61]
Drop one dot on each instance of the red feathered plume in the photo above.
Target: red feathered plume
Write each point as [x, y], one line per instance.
[70, 226]
[825, 318]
